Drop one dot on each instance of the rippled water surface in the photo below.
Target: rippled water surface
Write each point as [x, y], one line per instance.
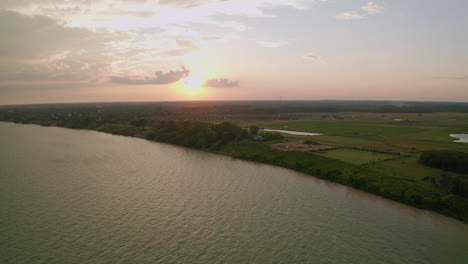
[69, 196]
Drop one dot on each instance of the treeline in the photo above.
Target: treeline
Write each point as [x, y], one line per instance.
[380, 151]
[263, 136]
[456, 184]
[196, 134]
[445, 159]
[266, 136]
[125, 112]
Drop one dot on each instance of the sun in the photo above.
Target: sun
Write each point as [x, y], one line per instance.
[192, 83]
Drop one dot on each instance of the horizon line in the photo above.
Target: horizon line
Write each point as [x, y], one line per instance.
[242, 100]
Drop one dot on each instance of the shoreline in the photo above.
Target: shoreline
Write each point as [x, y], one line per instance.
[462, 218]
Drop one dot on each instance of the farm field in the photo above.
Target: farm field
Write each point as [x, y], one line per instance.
[354, 156]
[405, 133]
[409, 167]
[402, 132]
[424, 119]
[406, 137]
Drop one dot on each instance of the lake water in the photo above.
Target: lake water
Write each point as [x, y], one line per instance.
[71, 196]
[298, 133]
[461, 137]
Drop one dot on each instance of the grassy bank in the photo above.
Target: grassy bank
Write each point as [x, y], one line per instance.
[402, 179]
[375, 178]
[397, 177]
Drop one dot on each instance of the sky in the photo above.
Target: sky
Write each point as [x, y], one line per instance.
[58, 51]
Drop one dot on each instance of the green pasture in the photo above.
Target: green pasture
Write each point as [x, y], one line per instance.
[423, 119]
[409, 167]
[354, 156]
[336, 128]
[393, 137]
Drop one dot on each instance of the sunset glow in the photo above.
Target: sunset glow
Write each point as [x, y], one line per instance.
[192, 83]
[106, 50]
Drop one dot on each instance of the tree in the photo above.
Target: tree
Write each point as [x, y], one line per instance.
[447, 160]
[254, 130]
[139, 122]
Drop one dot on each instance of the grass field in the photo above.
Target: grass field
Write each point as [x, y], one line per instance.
[410, 133]
[354, 156]
[403, 137]
[409, 167]
[425, 119]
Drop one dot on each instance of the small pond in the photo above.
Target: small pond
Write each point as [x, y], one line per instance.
[461, 137]
[298, 133]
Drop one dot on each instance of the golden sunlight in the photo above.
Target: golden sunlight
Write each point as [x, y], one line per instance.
[192, 83]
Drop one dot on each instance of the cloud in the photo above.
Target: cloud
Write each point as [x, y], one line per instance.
[175, 52]
[210, 38]
[38, 48]
[348, 15]
[67, 66]
[221, 83]
[83, 12]
[188, 3]
[185, 43]
[462, 78]
[372, 8]
[272, 44]
[84, 40]
[201, 21]
[184, 47]
[246, 7]
[136, 13]
[34, 36]
[62, 4]
[311, 56]
[161, 78]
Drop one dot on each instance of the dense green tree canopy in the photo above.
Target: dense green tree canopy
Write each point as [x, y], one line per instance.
[447, 160]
